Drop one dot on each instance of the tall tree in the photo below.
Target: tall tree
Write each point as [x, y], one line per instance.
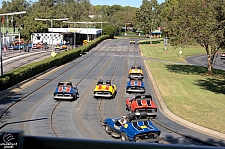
[147, 16]
[220, 23]
[194, 20]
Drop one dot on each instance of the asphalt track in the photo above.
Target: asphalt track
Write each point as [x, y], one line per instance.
[83, 118]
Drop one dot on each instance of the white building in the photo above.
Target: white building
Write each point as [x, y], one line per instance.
[46, 37]
[67, 34]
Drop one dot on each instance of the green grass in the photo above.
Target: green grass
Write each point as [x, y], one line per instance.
[156, 50]
[187, 92]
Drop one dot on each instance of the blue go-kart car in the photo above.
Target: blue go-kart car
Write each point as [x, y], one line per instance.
[66, 91]
[133, 127]
[135, 85]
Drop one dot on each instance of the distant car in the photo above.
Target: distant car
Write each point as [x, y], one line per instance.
[58, 47]
[38, 46]
[223, 56]
[16, 47]
[142, 103]
[17, 41]
[135, 86]
[133, 127]
[105, 89]
[135, 72]
[10, 47]
[66, 91]
[132, 41]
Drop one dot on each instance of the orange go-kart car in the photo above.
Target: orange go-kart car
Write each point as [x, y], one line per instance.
[38, 46]
[135, 72]
[141, 103]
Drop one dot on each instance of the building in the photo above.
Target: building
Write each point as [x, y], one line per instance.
[66, 34]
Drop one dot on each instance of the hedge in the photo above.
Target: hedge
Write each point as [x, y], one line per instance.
[27, 71]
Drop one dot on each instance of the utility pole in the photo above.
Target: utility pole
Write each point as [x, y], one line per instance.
[6, 14]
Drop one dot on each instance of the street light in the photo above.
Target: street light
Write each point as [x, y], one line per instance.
[101, 26]
[6, 14]
[51, 26]
[126, 29]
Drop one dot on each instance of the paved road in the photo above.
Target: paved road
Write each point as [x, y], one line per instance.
[84, 113]
[201, 60]
[13, 58]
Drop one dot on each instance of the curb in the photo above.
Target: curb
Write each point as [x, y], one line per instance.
[165, 111]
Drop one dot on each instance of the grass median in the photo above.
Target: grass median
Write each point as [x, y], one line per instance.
[187, 92]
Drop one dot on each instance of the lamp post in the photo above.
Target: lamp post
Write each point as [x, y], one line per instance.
[101, 26]
[6, 14]
[51, 26]
[87, 32]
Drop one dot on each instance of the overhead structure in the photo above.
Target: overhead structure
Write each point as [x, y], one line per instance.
[62, 19]
[87, 25]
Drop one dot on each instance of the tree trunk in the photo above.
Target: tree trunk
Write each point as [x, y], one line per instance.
[150, 36]
[209, 60]
[209, 64]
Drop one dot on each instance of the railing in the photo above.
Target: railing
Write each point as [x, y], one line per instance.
[16, 140]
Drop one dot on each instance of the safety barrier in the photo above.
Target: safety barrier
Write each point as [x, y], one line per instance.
[16, 140]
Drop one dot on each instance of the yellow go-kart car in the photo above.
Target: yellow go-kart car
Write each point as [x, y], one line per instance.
[105, 90]
[136, 72]
[132, 41]
[58, 47]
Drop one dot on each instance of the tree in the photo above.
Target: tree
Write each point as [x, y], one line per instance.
[220, 23]
[147, 16]
[194, 20]
[109, 30]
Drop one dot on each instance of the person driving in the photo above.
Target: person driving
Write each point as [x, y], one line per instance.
[123, 121]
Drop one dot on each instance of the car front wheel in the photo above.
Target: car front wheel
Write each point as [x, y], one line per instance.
[136, 139]
[124, 136]
[108, 129]
[75, 97]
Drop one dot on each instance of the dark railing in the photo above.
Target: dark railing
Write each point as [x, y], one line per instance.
[16, 140]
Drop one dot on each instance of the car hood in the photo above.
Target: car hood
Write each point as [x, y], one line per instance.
[135, 83]
[63, 89]
[135, 71]
[103, 88]
[142, 103]
[138, 127]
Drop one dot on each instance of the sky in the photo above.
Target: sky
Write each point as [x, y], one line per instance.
[132, 3]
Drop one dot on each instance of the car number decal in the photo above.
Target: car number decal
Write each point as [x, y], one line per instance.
[143, 127]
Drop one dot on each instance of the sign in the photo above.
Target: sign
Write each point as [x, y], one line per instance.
[73, 31]
[53, 54]
[180, 52]
[165, 41]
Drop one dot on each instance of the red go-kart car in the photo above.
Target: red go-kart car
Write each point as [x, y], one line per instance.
[141, 103]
